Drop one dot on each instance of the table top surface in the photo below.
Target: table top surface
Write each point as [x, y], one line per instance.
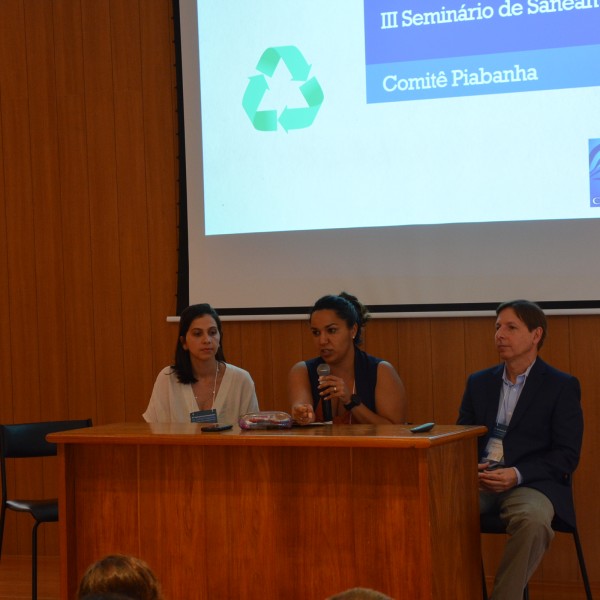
[356, 435]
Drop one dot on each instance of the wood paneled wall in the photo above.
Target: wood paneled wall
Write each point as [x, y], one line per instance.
[88, 219]
[88, 256]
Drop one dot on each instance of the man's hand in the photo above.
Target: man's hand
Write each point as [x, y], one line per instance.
[496, 480]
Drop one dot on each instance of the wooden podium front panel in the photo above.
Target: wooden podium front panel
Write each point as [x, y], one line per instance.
[454, 510]
[287, 522]
[99, 512]
[277, 521]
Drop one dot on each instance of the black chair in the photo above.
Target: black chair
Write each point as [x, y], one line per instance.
[28, 440]
[492, 523]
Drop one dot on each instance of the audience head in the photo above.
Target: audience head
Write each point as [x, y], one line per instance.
[347, 308]
[106, 596]
[360, 593]
[530, 313]
[122, 576]
[183, 364]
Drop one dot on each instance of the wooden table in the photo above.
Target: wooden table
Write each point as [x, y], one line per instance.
[301, 513]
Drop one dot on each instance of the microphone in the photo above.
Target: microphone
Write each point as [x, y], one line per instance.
[322, 370]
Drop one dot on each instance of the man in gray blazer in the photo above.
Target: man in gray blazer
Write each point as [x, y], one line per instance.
[535, 428]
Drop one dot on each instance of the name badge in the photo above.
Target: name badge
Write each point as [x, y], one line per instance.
[494, 450]
[204, 416]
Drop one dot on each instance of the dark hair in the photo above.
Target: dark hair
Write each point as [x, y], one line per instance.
[183, 363]
[120, 574]
[106, 596]
[348, 308]
[530, 313]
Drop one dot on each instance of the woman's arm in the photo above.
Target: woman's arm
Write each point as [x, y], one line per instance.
[248, 399]
[299, 395]
[390, 394]
[390, 399]
[158, 407]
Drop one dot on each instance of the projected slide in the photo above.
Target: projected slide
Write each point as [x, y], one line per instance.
[338, 115]
[426, 50]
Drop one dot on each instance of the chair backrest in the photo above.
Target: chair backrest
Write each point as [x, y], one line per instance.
[28, 440]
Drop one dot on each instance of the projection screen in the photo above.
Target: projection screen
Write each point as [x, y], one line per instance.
[426, 156]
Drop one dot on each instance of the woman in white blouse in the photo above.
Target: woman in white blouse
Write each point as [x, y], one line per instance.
[201, 386]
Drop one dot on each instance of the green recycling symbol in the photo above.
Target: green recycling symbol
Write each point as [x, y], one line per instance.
[290, 118]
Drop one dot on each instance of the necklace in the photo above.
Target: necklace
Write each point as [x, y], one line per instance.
[214, 392]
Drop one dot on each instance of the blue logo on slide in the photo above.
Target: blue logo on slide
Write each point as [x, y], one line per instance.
[595, 173]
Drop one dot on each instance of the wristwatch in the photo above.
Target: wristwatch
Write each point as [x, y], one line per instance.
[354, 401]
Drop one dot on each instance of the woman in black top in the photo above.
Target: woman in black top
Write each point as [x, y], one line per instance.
[360, 387]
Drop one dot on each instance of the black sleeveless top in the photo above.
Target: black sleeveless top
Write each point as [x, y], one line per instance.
[365, 377]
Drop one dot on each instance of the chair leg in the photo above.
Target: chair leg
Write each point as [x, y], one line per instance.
[34, 561]
[584, 575]
[2, 517]
[484, 594]
[526, 593]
